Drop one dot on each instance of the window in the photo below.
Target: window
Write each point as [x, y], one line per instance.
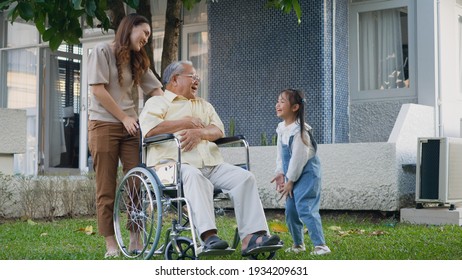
[21, 78]
[381, 60]
[18, 90]
[195, 49]
[194, 43]
[157, 46]
[379, 50]
[64, 108]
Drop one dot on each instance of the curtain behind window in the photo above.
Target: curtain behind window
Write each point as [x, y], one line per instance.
[380, 50]
[56, 111]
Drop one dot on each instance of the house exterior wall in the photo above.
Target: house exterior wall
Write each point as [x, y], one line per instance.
[12, 137]
[436, 77]
[13, 131]
[449, 44]
[374, 121]
[373, 112]
[256, 52]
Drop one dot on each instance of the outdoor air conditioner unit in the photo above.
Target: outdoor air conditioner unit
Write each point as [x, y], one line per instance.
[439, 171]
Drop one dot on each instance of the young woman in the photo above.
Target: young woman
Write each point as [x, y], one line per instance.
[114, 69]
[298, 172]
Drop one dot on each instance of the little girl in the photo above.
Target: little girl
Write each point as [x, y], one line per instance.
[298, 172]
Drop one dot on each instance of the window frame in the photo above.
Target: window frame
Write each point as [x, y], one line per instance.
[357, 95]
[190, 29]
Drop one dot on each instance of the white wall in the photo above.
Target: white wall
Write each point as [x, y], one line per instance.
[12, 137]
[13, 131]
[450, 97]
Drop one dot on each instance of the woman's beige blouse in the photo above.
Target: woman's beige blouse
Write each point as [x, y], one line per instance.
[102, 69]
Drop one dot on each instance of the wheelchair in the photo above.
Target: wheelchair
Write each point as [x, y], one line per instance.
[143, 200]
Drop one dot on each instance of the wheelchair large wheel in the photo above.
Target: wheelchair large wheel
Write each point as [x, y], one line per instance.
[138, 211]
[183, 251]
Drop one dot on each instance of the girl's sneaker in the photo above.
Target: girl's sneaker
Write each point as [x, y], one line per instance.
[321, 250]
[296, 249]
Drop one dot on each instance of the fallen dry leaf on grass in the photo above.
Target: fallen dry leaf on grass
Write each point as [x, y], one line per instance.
[351, 231]
[278, 227]
[335, 228]
[88, 230]
[378, 232]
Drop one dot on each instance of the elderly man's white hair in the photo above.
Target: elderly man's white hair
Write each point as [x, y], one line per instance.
[173, 69]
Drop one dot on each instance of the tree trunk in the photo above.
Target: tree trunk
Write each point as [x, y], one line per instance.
[172, 32]
[144, 9]
[117, 12]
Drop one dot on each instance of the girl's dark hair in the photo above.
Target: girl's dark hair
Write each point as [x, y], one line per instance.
[296, 96]
[138, 61]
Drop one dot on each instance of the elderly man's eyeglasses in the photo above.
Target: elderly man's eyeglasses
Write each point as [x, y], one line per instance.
[195, 77]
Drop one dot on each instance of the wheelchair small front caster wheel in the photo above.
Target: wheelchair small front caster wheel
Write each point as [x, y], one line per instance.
[183, 250]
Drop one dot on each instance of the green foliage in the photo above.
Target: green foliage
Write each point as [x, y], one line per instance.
[286, 6]
[350, 236]
[263, 139]
[274, 140]
[189, 4]
[232, 127]
[59, 21]
[6, 194]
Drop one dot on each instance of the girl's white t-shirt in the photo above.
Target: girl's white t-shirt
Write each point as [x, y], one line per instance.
[301, 153]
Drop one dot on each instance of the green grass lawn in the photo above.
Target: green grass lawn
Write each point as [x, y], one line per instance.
[350, 235]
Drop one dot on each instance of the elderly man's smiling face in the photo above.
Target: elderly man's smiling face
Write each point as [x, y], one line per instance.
[187, 83]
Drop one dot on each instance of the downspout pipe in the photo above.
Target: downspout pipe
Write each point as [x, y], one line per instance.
[334, 89]
[438, 102]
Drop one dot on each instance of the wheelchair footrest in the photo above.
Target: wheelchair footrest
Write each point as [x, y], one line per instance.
[263, 249]
[215, 252]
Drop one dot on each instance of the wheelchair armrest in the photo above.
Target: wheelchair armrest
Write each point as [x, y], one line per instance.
[230, 140]
[159, 138]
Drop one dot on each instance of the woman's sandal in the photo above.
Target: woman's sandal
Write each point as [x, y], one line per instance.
[267, 244]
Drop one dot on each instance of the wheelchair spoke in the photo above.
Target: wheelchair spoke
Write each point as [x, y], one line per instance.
[137, 214]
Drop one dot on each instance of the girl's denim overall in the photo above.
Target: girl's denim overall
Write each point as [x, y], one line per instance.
[303, 207]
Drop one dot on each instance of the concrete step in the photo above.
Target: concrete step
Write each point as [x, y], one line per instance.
[432, 215]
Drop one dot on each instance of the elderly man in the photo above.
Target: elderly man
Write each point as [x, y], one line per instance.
[195, 122]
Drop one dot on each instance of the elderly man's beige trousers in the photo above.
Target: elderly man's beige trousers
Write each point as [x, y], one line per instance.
[240, 184]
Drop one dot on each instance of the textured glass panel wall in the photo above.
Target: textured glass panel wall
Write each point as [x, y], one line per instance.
[342, 126]
[255, 52]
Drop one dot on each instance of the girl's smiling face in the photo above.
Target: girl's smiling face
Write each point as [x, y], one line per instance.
[284, 109]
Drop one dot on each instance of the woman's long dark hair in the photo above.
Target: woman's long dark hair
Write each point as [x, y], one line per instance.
[296, 96]
[138, 61]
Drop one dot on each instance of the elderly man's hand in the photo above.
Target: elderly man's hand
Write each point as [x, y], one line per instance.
[193, 122]
[190, 138]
